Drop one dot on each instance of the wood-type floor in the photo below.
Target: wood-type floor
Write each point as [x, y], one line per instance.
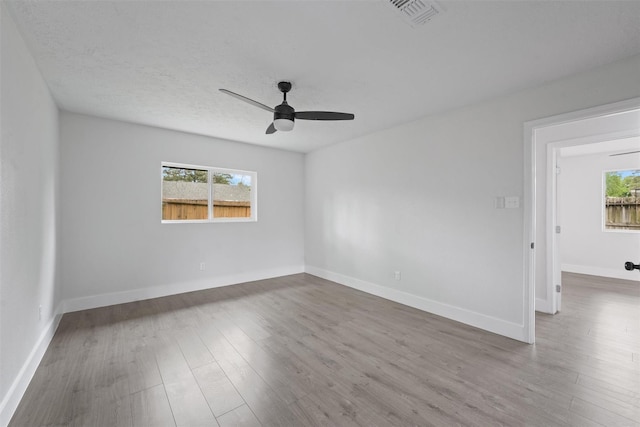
[303, 351]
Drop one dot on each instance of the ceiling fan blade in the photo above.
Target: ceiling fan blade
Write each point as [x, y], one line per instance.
[271, 129]
[622, 154]
[248, 100]
[323, 115]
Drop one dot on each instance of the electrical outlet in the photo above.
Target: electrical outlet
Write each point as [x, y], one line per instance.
[397, 275]
[202, 266]
[512, 202]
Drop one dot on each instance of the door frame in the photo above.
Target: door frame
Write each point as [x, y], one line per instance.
[553, 250]
[536, 170]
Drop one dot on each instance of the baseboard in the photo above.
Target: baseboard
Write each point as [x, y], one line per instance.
[103, 300]
[544, 306]
[602, 272]
[478, 320]
[11, 400]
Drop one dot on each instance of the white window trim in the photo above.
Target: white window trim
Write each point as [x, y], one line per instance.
[210, 171]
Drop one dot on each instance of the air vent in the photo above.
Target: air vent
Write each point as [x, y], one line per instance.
[416, 12]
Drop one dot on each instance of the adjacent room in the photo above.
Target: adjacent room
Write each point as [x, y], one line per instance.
[292, 213]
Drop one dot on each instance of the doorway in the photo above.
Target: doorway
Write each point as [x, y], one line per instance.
[543, 140]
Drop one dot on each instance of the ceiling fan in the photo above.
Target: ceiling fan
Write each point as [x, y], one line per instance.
[284, 115]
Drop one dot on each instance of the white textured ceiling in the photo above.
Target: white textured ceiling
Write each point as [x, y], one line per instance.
[161, 62]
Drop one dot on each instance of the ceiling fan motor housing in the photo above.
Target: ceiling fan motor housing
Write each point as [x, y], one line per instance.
[284, 111]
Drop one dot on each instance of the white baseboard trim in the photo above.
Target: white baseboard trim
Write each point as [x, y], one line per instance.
[543, 306]
[103, 300]
[11, 400]
[602, 272]
[478, 320]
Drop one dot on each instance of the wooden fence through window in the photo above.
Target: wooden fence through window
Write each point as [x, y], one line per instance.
[185, 209]
[622, 213]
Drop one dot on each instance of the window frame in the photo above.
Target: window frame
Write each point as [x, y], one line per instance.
[211, 170]
[604, 204]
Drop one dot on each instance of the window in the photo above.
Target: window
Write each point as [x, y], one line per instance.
[207, 194]
[622, 200]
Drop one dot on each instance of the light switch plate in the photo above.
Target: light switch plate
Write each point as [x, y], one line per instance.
[499, 202]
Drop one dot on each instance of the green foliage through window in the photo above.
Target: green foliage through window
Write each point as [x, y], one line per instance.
[182, 174]
[623, 183]
[193, 175]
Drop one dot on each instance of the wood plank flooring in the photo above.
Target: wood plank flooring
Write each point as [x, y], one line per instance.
[303, 351]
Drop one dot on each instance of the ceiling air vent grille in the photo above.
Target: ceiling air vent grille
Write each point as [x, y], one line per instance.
[416, 12]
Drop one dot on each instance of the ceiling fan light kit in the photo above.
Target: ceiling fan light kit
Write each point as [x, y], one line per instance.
[284, 115]
[283, 125]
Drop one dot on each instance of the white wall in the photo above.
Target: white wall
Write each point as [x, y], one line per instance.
[584, 246]
[114, 247]
[28, 217]
[419, 199]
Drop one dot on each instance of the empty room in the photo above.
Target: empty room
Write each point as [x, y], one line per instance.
[319, 213]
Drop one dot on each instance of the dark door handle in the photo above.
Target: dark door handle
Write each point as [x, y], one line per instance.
[631, 266]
